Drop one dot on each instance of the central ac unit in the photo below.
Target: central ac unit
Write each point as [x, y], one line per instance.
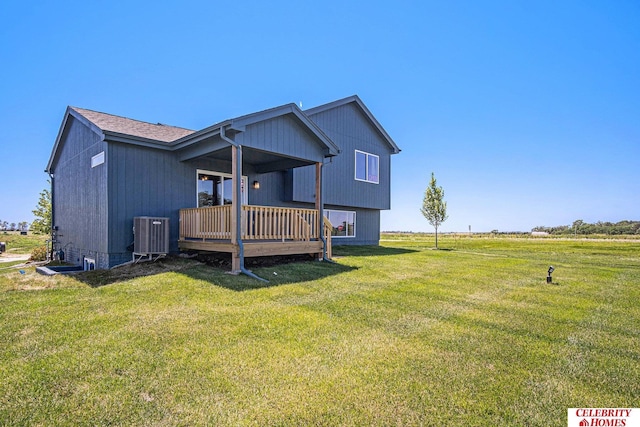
[150, 235]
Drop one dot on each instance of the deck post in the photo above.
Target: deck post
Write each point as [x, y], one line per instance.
[319, 205]
[236, 233]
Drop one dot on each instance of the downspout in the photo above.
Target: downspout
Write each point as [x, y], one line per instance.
[238, 205]
[51, 177]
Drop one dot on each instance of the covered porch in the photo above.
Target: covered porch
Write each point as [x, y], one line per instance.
[262, 143]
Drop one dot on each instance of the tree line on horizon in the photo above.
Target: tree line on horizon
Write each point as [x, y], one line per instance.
[581, 227]
[7, 226]
[42, 222]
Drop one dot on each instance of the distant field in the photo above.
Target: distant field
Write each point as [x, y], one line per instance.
[18, 244]
[523, 235]
[399, 334]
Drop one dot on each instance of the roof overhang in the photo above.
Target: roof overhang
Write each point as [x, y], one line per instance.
[209, 142]
[105, 135]
[239, 124]
[355, 99]
[68, 113]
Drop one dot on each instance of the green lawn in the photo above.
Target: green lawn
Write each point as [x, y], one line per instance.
[396, 335]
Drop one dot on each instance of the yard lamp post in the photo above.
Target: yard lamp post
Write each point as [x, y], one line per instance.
[549, 280]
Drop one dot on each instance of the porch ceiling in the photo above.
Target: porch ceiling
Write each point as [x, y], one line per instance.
[261, 161]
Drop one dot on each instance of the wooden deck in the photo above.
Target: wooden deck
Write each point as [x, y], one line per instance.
[266, 230]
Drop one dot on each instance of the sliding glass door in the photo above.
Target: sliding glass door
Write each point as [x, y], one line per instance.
[216, 188]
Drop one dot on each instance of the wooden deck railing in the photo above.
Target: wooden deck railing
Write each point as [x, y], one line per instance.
[327, 236]
[258, 223]
[276, 223]
[212, 222]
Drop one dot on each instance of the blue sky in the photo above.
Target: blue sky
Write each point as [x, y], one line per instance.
[528, 113]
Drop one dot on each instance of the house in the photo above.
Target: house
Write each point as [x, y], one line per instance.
[304, 179]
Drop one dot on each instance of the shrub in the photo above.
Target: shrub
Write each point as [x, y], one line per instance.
[39, 253]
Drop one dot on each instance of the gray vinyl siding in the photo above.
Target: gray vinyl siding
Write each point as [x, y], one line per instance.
[350, 130]
[272, 191]
[80, 196]
[145, 182]
[282, 135]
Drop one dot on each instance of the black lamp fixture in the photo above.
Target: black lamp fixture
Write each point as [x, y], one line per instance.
[549, 274]
[256, 185]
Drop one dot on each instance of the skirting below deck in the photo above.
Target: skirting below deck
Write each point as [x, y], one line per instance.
[254, 249]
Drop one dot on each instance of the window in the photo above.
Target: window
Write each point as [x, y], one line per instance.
[216, 188]
[344, 223]
[367, 167]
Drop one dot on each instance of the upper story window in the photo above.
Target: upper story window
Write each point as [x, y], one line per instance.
[367, 167]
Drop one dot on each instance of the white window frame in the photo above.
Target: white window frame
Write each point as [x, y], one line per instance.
[366, 167]
[245, 184]
[355, 219]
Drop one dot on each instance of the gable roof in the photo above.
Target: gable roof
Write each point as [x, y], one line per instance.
[118, 128]
[218, 137]
[355, 99]
[239, 124]
[125, 126]
[123, 129]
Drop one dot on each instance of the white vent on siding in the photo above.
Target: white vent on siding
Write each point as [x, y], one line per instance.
[97, 160]
[88, 264]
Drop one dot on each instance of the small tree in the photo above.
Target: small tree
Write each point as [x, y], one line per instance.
[42, 212]
[434, 208]
[576, 225]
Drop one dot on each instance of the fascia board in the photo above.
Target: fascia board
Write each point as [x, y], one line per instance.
[242, 122]
[135, 140]
[356, 99]
[56, 146]
[377, 125]
[198, 136]
[196, 150]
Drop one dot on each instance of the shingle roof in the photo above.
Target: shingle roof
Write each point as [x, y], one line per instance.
[123, 125]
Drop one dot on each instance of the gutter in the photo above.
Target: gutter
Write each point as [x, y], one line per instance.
[238, 204]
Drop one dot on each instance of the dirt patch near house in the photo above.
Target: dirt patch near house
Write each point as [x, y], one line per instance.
[125, 272]
[223, 261]
[97, 278]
